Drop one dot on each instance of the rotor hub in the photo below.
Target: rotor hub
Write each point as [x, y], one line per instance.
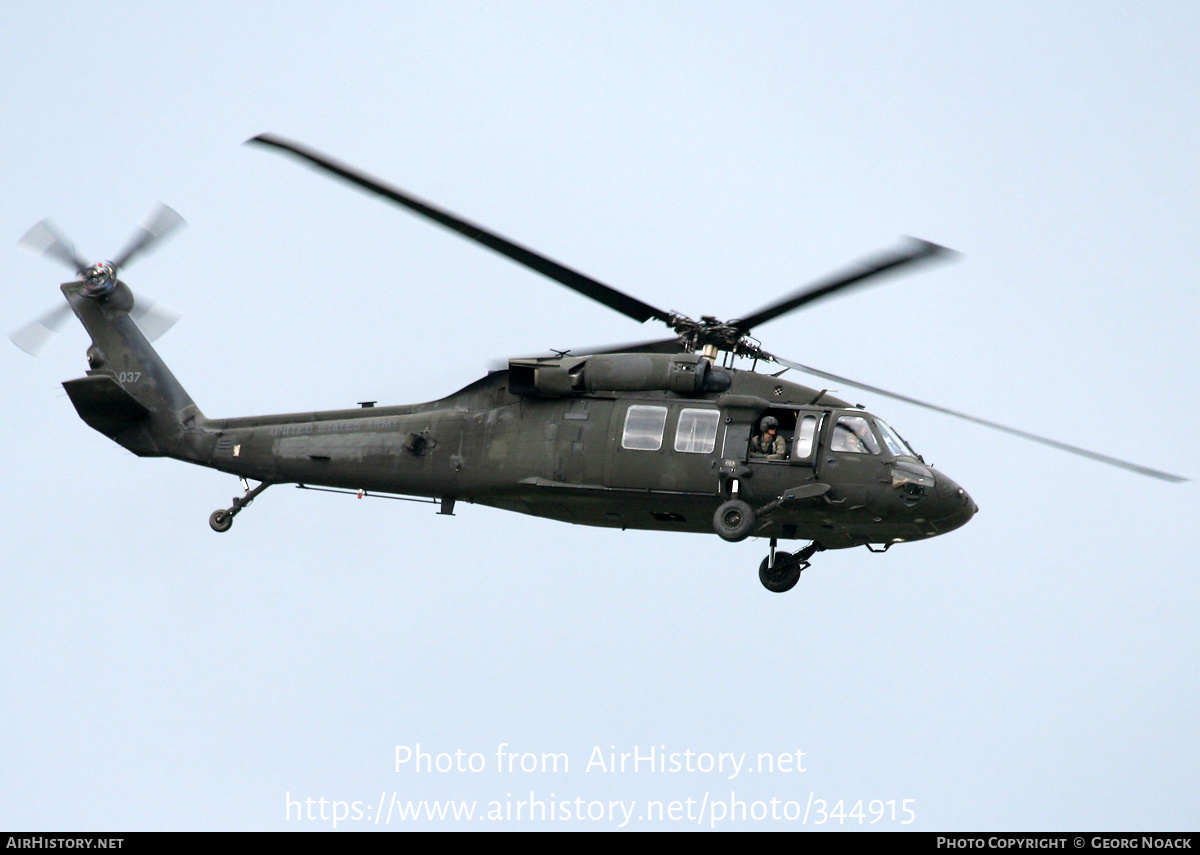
[710, 334]
[99, 280]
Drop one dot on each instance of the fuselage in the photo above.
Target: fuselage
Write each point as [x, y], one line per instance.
[651, 459]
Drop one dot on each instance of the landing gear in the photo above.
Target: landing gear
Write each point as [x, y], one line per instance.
[783, 575]
[222, 518]
[734, 520]
[780, 571]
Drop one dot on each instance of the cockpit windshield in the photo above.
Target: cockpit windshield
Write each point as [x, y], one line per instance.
[897, 446]
[853, 434]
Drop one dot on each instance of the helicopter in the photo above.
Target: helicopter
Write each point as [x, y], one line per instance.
[665, 435]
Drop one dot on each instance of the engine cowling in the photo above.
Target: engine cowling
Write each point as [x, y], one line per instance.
[683, 373]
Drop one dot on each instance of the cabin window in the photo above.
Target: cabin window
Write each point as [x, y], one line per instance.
[697, 431]
[644, 428]
[853, 434]
[806, 432]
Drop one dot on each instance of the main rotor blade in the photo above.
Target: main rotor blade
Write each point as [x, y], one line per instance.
[45, 239]
[573, 279]
[34, 337]
[918, 250]
[1053, 443]
[658, 345]
[158, 223]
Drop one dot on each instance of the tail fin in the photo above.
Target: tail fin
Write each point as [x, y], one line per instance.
[129, 394]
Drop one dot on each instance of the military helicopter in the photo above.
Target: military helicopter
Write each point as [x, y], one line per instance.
[665, 435]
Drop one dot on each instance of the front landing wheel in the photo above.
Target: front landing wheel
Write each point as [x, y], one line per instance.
[734, 520]
[220, 520]
[781, 577]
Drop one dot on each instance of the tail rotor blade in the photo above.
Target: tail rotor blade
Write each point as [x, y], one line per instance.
[152, 318]
[158, 224]
[34, 338]
[45, 239]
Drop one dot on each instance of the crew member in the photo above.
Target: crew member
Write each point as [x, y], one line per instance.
[768, 443]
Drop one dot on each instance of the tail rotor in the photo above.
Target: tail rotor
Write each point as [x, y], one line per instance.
[100, 279]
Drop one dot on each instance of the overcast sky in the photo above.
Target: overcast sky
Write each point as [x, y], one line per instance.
[1033, 670]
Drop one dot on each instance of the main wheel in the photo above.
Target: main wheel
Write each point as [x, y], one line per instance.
[734, 520]
[220, 520]
[783, 576]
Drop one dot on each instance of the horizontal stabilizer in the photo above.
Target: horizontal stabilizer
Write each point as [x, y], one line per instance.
[103, 404]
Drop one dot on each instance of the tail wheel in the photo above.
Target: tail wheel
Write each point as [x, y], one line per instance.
[220, 520]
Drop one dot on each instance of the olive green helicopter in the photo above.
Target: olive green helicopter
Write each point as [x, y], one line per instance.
[665, 435]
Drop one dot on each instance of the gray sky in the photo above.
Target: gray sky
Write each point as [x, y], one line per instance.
[1033, 670]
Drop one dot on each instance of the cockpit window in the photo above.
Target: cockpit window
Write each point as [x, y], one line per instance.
[853, 434]
[897, 446]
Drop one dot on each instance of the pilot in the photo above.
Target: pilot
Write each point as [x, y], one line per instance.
[768, 443]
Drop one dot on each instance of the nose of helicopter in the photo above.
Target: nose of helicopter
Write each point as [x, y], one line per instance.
[955, 507]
